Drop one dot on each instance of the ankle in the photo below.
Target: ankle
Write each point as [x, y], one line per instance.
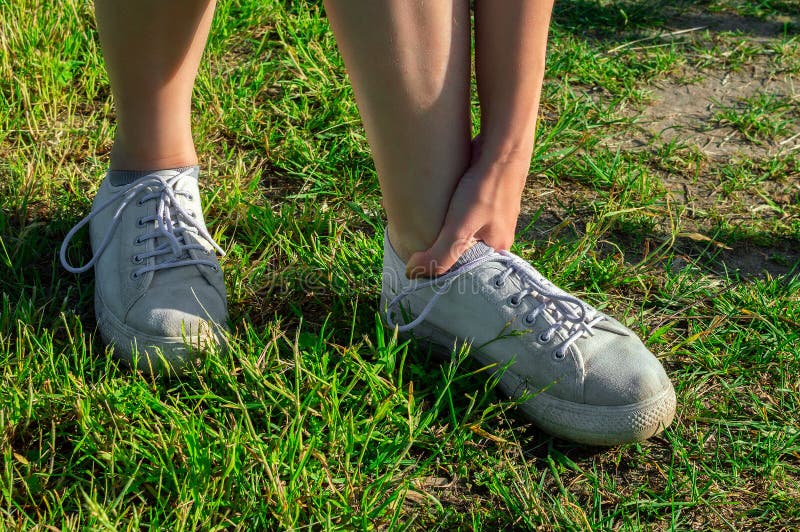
[124, 157]
[405, 244]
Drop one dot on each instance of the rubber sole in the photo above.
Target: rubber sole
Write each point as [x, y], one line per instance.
[579, 422]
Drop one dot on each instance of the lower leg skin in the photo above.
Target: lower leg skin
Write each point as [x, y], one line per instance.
[152, 50]
[409, 64]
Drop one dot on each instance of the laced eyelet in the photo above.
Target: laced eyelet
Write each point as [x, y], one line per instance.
[134, 275]
[136, 259]
[558, 354]
[140, 222]
[499, 283]
[545, 339]
[529, 319]
[138, 241]
[514, 301]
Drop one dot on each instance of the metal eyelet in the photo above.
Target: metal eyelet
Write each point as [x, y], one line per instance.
[136, 259]
[529, 320]
[134, 275]
[499, 283]
[545, 339]
[140, 222]
[514, 301]
[138, 241]
[558, 354]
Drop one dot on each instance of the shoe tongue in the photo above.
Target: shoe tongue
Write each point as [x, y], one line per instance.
[478, 250]
[126, 177]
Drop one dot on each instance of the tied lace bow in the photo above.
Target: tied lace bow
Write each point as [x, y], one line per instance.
[567, 312]
[171, 222]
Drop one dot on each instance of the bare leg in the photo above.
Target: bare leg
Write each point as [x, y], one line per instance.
[409, 64]
[152, 50]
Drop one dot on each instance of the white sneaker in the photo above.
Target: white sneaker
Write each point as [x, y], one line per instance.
[589, 379]
[159, 291]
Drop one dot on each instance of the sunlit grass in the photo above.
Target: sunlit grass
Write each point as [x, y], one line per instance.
[317, 417]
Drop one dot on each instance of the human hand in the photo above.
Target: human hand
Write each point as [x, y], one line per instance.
[484, 206]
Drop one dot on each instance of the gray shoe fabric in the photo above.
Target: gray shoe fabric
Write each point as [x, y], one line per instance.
[590, 380]
[159, 291]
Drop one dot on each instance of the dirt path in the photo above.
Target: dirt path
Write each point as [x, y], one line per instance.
[687, 112]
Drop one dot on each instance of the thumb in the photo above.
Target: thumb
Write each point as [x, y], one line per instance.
[440, 257]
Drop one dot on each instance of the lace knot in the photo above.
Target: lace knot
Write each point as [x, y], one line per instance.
[171, 222]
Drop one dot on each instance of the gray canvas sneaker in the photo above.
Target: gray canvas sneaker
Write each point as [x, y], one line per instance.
[587, 377]
[159, 290]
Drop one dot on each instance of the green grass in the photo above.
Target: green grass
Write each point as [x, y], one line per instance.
[317, 417]
[761, 117]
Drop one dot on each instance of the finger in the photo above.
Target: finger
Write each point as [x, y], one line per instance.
[440, 257]
[497, 237]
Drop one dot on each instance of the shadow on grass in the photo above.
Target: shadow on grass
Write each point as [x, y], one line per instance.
[34, 276]
[726, 254]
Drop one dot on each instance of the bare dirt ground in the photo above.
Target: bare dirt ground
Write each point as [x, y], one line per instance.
[686, 112]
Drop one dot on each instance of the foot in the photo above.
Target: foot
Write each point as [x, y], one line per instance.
[587, 377]
[159, 291]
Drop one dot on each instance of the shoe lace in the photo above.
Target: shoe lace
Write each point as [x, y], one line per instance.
[172, 221]
[567, 312]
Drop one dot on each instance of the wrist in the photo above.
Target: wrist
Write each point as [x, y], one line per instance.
[500, 182]
[504, 164]
[509, 153]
